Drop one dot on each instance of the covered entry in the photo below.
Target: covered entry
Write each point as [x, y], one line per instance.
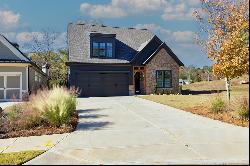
[10, 86]
[102, 83]
[139, 79]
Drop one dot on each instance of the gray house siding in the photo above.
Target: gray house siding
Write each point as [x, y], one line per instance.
[34, 84]
[17, 69]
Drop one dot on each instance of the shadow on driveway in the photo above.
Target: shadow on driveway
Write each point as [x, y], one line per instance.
[92, 125]
[88, 120]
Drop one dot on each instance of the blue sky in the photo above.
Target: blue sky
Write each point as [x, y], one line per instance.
[171, 20]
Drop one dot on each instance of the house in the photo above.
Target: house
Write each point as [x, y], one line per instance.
[18, 74]
[114, 61]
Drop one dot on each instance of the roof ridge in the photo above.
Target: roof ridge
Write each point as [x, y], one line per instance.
[109, 26]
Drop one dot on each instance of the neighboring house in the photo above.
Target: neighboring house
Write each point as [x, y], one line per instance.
[18, 74]
[112, 61]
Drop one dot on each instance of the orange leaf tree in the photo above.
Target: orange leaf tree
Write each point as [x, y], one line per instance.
[224, 33]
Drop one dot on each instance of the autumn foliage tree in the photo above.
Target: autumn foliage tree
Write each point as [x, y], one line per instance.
[224, 34]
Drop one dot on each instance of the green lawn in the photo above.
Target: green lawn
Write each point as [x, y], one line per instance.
[18, 158]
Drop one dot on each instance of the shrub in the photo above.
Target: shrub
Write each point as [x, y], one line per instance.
[30, 119]
[56, 106]
[14, 112]
[243, 109]
[218, 105]
[154, 85]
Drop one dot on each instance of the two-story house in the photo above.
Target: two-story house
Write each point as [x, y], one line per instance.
[115, 61]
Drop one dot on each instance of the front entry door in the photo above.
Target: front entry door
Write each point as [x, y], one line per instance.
[10, 86]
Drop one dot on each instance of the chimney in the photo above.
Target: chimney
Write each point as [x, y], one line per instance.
[15, 45]
[45, 69]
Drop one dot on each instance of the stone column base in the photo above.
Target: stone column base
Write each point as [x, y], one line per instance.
[131, 90]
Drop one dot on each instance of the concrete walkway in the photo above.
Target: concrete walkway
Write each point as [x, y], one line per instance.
[44, 142]
[3, 105]
[129, 130]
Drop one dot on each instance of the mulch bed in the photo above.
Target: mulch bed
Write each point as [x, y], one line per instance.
[42, 130]
[224, 116]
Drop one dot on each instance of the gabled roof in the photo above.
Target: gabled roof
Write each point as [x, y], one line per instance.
[14, 54]
[169, 51]
[12, 51]
[136, 46]
[128, 41]
[146, 51]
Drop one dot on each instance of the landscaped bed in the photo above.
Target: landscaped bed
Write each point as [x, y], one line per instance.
[47, 112]
[18, 158]
[215, 105]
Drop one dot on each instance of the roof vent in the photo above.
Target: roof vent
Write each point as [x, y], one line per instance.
[79, 22]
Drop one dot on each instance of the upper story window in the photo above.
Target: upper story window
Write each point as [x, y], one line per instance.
[101, 49]
[102, 45]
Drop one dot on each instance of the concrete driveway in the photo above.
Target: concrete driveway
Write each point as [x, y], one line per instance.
[130, 130]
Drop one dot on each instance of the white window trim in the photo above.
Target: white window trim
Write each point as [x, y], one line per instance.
[5, 74]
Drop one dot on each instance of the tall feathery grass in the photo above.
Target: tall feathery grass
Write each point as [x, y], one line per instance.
[55, 106]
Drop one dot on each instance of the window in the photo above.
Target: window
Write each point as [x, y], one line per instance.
[101, 49]
[164, 78]
[109, 50]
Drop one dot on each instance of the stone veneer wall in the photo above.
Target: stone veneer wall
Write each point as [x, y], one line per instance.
[162, 61]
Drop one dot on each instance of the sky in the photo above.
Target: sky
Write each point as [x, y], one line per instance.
[170, 20]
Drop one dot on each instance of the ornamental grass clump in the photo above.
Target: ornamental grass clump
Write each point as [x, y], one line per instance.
[243, 108]
[56, 106]
[218, 105]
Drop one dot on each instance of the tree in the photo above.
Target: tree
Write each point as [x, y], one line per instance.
[58, 69]
[225, 36]
[46, 53]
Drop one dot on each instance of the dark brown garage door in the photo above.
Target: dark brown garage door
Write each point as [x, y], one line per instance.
[102, 84]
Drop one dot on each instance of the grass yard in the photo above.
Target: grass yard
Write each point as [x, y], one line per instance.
[18, 158]
[201, 103]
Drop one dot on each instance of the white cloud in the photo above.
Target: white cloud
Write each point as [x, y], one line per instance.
[121, 8]
[168, 10]
[180, 11]
[85, 7]
[183, 36]
[8, 19]
[168, 35]
[26, 39]
[107, 12]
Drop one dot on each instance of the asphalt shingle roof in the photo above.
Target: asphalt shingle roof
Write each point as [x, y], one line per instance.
[129, 42]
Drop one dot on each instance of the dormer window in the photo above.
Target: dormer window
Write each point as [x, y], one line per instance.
[101, 49]
[102, 45]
